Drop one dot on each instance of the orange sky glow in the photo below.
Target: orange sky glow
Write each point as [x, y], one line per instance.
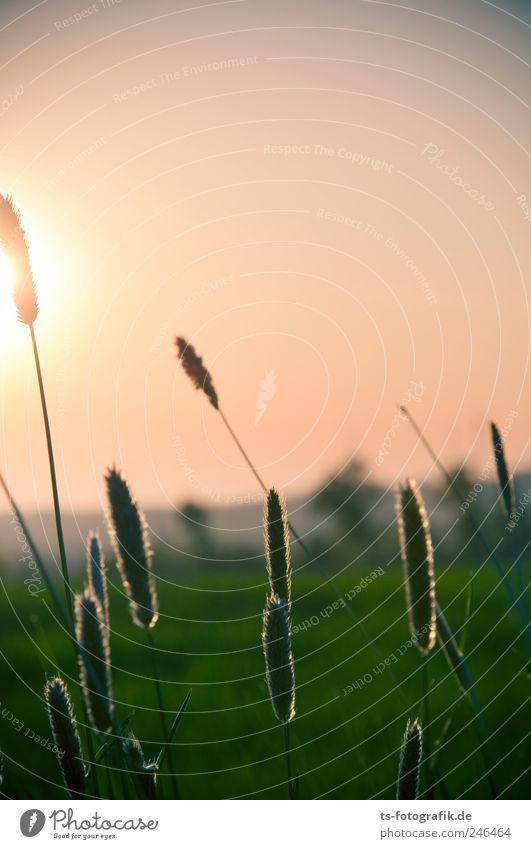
[330, 201]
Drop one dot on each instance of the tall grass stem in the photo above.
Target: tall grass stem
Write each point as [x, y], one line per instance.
[55, 492]
[477, 530]
[328, 580]
[458, 665]
[162, 712]
[287, 747]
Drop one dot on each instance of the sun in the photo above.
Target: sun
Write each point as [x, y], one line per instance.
[8, 314]
[11, 329]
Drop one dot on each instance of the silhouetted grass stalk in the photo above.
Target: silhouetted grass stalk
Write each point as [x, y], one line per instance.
[129, 536]
[287, 747]
[93, 638]
[66, 737]
[63, 613]
[175, 724]
[458, 665]
[276, 632]
[419, 580]
[280, 673]
[408, 782]
[507, 493]
[53, 477]
[16, 249]
[144, 774]
[505, 479]
[41, 566]
[200, 376]
[162, 710]
[426, 724]
[327, 579]
[515, 603]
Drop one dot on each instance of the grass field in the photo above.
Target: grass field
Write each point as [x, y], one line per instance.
[345, 740]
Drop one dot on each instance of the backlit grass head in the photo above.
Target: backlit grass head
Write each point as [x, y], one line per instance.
[196, 371]
[15, 247]
[505, 479]
[65, 734]
[280, 672]
[97, 573]
[128, 531]
[417, 559]
[277, 547]
[144, 774]
[407, 786]
[92, 636]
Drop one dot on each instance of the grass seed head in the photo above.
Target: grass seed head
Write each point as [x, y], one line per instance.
[417, 559]
[93, 638]
[505, 479]
[407, 786]
[128, 531]
[145, 774]
[97, 573]
[15, 247]
[196, 371]
[277, 546]
[280, 673]
[65, 734]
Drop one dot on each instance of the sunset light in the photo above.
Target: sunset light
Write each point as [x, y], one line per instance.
[265, 406]
[9, 332]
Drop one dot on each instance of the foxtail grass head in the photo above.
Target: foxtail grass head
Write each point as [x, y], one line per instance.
[417, 558]
[65, 734]
[407, 785]
[97, 573]
[144, 774]
[505, 479]
[280, 672]
[128, 531]
[93, 639]
[277, 546]
[196, 371]
[15, 247]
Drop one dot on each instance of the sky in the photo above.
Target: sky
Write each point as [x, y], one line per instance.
[331, 201]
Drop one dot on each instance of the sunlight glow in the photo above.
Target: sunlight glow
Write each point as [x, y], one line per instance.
[42, 262]
[8, 316]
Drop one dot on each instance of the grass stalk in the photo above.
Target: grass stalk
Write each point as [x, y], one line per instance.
[162, 712]
[63, 613]
[408, 781]
[175, 724]
[66, 736]
[35, 551]
[287, 748]
[459, 667]
[476, 528]
[426, 726]
[201, 378]
[328, 580]
[55, 492]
